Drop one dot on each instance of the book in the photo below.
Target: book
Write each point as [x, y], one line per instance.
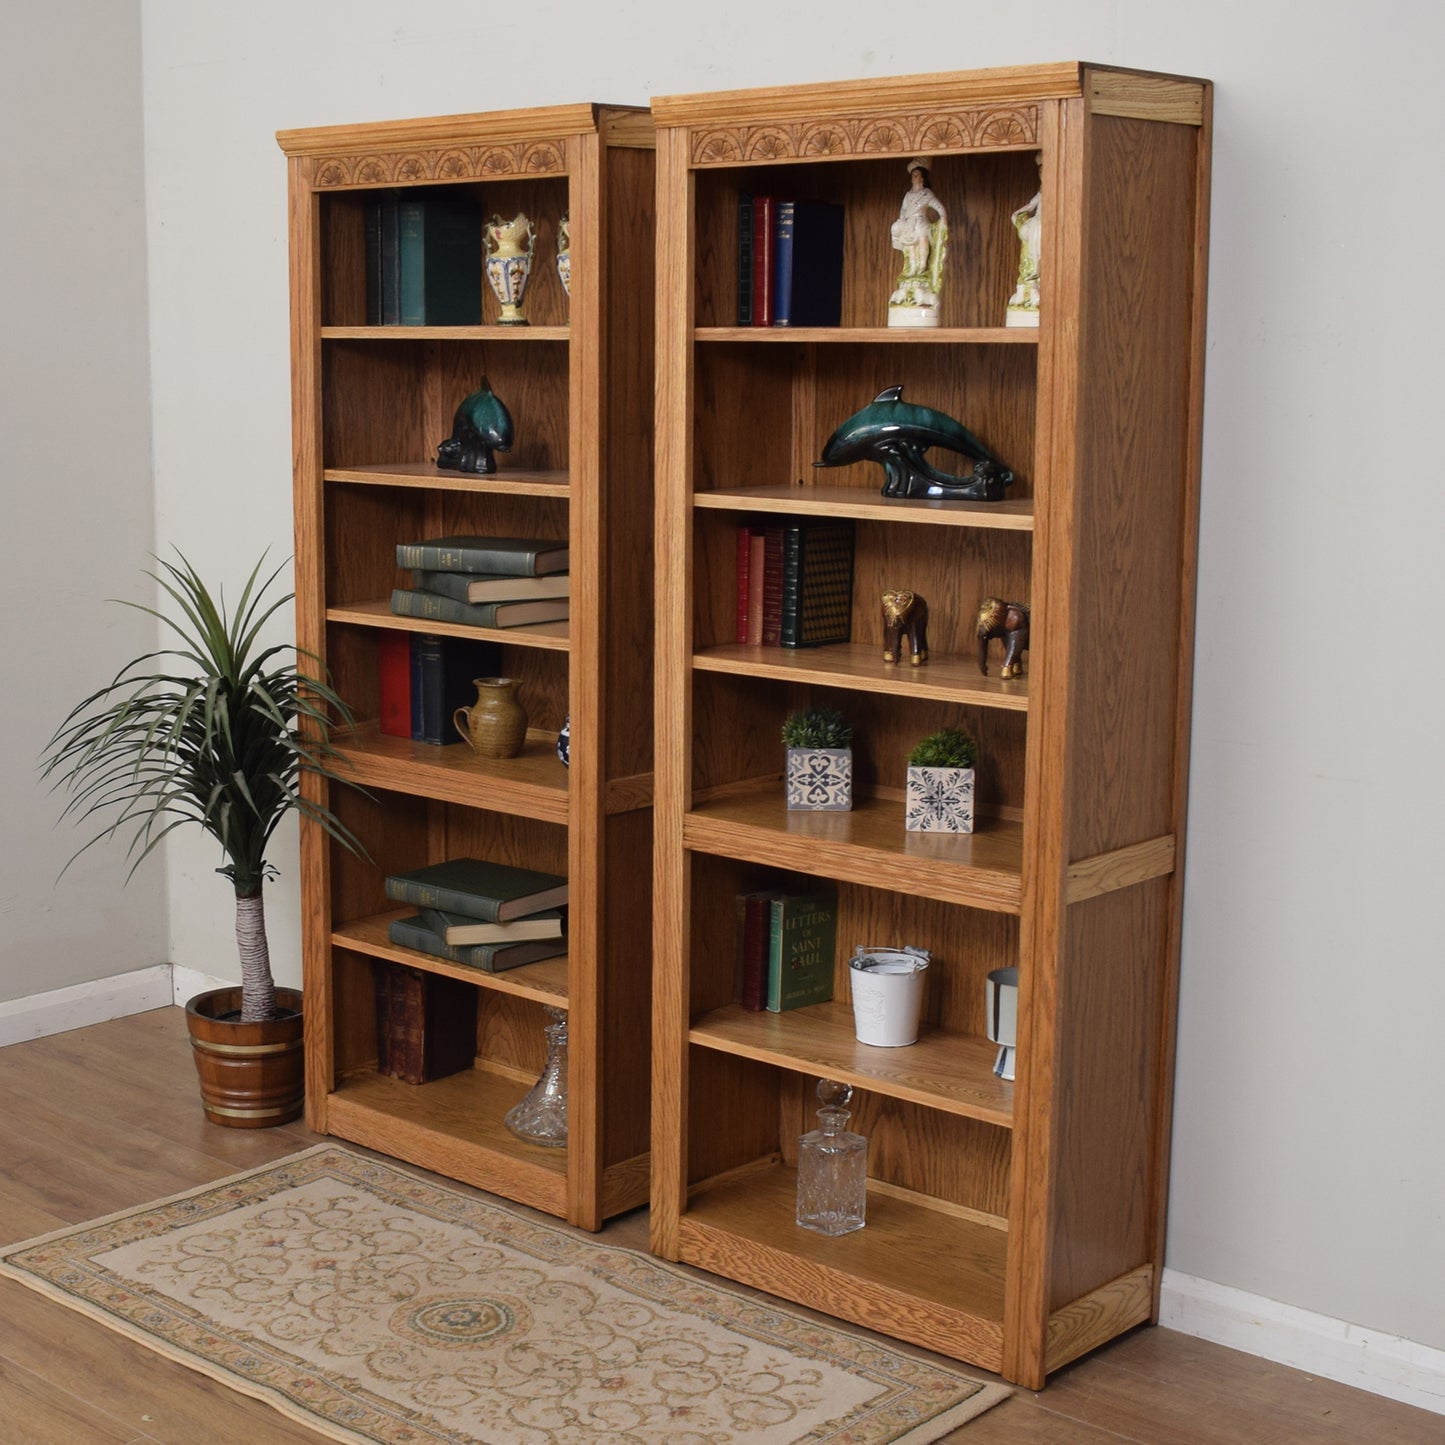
[490, 586]
[492, 892]
[440, 262]
[442, 669]
[763, 260]
[802, 940]
[393, 684]
[426, 1023]
[486, 957]
[772, 622]
[807, 264]
[744, 553]
[458, 928]
[383, 255]
[745, 259]
[817, 599]
[756, 560]
[505, 556]
[752, 963]
[409, 602]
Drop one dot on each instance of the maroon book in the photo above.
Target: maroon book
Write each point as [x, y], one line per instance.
[763, 207]
[744, 553]
[772, 586]
[393, 681]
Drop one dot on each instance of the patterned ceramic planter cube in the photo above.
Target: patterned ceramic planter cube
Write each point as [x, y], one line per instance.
[940, 800]
[820, 779]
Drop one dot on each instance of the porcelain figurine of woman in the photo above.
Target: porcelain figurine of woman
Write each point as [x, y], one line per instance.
[1023, 305]
[509, 245]
[924, 243]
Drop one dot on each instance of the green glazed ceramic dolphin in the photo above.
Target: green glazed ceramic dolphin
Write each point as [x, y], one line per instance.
[482, 425]
[894, 433]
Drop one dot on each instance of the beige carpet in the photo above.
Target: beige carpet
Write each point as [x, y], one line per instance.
[375, 1305]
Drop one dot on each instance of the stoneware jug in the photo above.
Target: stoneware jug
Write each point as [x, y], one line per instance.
[495, 726]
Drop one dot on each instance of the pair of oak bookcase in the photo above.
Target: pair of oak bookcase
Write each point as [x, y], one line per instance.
[1013, 1225]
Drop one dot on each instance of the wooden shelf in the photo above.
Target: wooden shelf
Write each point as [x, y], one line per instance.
[544, 982]
[379, 614]
[859, 668]
[369, 406]
[871, 506]
[868, 845]
[873, 335]
[453, 1126]
[531, 785]
[916, 1272]
[552, 484]
[446, 333]
[944, 1071]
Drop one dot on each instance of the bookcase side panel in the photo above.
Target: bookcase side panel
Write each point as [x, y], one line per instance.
[1134, 436]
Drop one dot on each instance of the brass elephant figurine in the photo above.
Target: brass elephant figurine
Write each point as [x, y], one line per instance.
[905, 616]
[1010, 622]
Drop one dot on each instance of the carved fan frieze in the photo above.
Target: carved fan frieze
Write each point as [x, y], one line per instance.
[932, 134]
[448, 163]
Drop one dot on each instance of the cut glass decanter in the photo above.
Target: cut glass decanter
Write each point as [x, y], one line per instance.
[832, 1167]
[541, 1117]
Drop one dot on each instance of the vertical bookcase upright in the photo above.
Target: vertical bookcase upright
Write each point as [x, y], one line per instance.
[371, 403]
[1013, 1224]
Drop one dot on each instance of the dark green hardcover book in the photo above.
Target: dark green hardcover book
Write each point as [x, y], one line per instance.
[440, 235]
[409, 602]
[817, 603]
[442, 669]
[487, 957]
[509, 556]
[383, 260]
[493, 892]
[491, 586]
[803, 939]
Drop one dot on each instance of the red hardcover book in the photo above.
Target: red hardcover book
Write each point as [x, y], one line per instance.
[755, 587]
[757, 929]
[772, 586]
[763, 260]
[393, 684]
[744, 554]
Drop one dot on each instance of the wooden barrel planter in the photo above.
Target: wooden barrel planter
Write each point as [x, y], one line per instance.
[253, 1075]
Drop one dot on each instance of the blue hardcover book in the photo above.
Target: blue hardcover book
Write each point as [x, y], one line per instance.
[807, 264]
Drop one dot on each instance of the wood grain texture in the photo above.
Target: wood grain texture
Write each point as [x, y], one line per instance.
[1124, 867]
[1100, 1315]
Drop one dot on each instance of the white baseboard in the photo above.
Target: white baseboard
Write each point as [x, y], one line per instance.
[1335, 1349]
[136, 992]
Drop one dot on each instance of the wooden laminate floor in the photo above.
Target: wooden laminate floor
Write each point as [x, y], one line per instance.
[106, 1117]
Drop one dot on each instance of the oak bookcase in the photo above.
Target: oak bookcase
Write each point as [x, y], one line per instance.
[370, 404]
[1012, 1225]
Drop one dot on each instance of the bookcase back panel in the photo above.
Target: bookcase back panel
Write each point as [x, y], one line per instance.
[764, 412]
[395, 401]
[393, 830]
[511, 1032]
[501, 838]
[353, 1005]
[959, 1161]
[344, 245]
[749, 745]
[732, 1113]
[364, 525]
[978, 193]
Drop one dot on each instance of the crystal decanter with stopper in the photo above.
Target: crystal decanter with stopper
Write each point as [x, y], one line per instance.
[832, 1167]
[541, 1118]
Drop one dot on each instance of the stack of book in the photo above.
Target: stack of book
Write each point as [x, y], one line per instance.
[790, 262]
[484, 581]
[795, 583]
[479, 914]
[785, 948]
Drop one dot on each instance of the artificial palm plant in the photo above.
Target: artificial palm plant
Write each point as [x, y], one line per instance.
[213, 730]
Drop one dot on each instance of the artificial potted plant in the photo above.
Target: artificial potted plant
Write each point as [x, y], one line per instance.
[820, 760]
[213, 730]
[940, 783]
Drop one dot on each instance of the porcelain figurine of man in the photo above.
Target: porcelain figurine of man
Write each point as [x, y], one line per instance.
[924, 243]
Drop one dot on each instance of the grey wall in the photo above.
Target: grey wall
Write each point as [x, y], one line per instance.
[74, 467]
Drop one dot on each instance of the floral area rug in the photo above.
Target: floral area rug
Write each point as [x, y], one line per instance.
[376, 1305]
